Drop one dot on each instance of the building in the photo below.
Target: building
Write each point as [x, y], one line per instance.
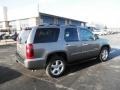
[52, 19]
[43, 18]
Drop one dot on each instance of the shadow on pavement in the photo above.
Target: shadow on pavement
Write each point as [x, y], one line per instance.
[7, 74]
[115, 52]
[77, 67]
[80, 66]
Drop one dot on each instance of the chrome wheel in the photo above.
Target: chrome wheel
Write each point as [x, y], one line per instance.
[57, 67]
[104, 54]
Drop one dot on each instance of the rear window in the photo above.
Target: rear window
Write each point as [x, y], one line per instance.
[44, 35]
[23, 36]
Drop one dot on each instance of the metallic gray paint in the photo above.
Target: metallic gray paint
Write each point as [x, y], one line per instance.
[77, 50]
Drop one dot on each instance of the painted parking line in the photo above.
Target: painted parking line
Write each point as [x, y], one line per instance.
[57, 85]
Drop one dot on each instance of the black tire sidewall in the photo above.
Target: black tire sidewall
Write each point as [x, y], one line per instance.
[53, 59]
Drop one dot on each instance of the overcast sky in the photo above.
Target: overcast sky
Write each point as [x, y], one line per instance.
[99, 11]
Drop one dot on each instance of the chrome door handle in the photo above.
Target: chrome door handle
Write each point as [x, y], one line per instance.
[68, 44]
[84, 44]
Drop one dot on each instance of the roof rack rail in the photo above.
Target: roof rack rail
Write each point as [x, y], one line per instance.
[49, 24]
[41, 25]
[71, 25]
[55, 24]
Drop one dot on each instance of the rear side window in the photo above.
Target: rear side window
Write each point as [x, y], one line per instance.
[71, 35]
[23, 36]
[44, 35]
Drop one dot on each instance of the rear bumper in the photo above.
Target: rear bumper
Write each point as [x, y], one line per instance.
[38, 63]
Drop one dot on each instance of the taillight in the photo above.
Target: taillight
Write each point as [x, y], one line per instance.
[29, 51]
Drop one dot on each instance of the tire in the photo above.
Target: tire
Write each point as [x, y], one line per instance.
[104, 54]
[56, 66]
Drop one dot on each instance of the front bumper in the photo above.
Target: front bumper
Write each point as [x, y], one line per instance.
[38, 63]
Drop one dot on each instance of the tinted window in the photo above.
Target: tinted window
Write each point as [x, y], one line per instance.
[44, 35]
[85, 35]
[23, 36]
[71, 34]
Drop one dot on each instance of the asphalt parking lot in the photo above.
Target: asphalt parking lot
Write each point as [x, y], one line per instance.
[92, 75]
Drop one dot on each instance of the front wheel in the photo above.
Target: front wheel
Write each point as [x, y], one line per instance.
[104, 54]
[56, 66]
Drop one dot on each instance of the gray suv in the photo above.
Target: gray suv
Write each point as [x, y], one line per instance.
[52, 47]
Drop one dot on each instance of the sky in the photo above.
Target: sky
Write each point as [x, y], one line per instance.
[105, 12]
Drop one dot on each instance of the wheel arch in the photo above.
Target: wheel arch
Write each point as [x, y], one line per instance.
[58, 53]
[107, 46]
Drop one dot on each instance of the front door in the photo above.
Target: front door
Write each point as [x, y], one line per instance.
[90, 47]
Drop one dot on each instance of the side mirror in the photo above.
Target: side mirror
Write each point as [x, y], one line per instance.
[96, 37]
[92, 38]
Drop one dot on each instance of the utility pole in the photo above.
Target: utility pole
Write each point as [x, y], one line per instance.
[38, 7]
[5, 10]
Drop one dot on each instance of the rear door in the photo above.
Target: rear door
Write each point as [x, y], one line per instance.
[21, 43]
[45, 41]
[90, 47]
[72, 44]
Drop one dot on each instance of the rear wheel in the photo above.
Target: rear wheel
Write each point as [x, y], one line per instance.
[56, 66]
[104, 54]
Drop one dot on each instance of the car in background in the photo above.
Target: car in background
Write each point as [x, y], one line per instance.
[99, 32]
[2, 35]
[14, 36]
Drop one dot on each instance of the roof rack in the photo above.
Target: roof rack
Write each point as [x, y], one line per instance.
[71, 25]
[49, 24]
[41, 25]
[55, 24]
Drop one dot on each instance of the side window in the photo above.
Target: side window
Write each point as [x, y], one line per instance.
[23, 36]
[85, 35]
[71, 35]
[45, 35]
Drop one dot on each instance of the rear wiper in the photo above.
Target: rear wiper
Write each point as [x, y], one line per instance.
[26, 41]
